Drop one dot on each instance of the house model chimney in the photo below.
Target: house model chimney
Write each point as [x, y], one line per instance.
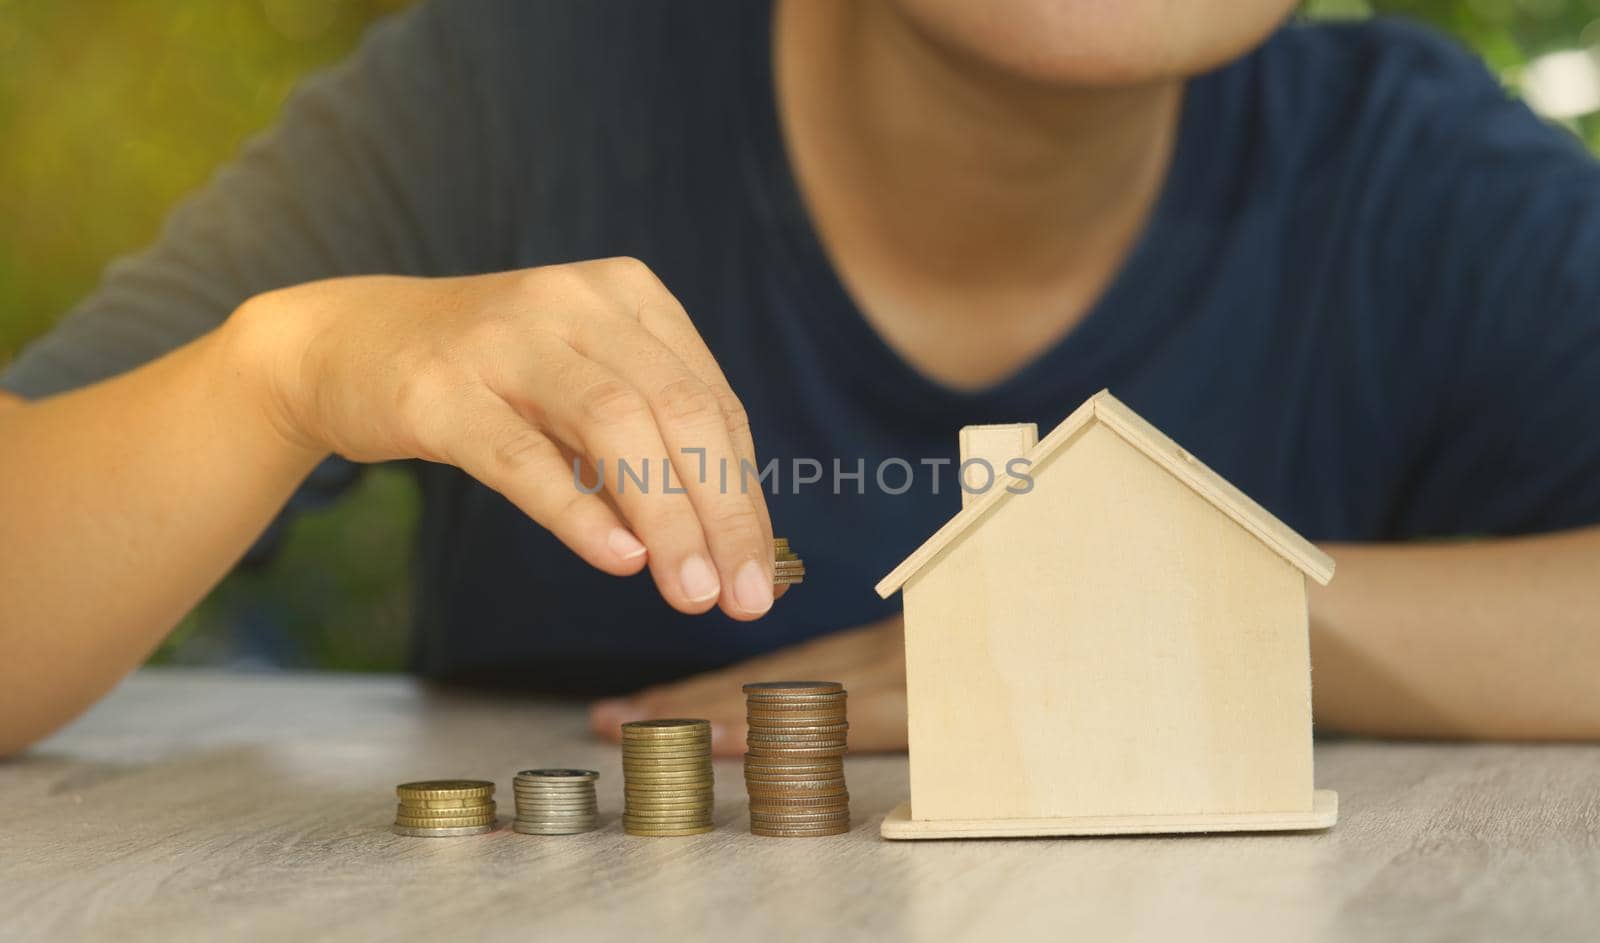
[995, 446]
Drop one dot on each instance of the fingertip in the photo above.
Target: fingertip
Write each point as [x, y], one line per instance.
[624, 554]
[625, 546]
[693, 588]
[752, 589]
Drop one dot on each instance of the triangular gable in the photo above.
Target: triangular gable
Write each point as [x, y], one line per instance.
[1111, 413]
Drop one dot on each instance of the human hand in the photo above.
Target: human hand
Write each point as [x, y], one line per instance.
[513, 376]
[869, 661]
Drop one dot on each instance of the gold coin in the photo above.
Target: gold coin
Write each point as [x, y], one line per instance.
[465, 821]
[667, 740]
[763, 738]
[784, 720]
[414, 813]
[475, 803]
[656, 784]
[784, 717]
[797, 749]
[801, 769]
[778, 688]
[790, 817]
[666, 726]
[800, 802]
[693, 802]
[825, 704]
[645, 832]
[666, 763]
[758, 791]
[698, 751]
[799, 833]
[702, 756]
[668, 815]
[666, 734]
[445, 789]
[683, 806]
[789, 766]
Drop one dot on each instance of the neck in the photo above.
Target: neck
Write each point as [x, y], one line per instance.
[915, 159]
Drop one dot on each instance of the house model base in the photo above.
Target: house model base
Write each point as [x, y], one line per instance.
[899, 824]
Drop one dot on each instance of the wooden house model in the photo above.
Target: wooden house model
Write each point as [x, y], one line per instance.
[1120, 648]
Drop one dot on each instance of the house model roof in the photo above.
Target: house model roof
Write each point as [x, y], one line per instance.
[1108, 411]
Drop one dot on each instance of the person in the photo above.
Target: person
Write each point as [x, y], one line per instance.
[524, 242]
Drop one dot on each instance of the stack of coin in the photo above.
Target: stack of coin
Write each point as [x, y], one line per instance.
[555, 801]
[666, 771]
[794, 768]
[786, 567]
[445, 808]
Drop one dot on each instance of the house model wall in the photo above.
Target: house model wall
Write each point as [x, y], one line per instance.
[1122, 648]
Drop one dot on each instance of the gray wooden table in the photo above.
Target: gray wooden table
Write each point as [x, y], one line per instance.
[211, 806]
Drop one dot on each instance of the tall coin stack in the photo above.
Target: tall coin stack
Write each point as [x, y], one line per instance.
[787, 569]
[666, 771]
[555, 801]
[445, 808]
[794, 767]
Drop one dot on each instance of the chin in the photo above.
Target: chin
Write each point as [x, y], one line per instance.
[1096, 42]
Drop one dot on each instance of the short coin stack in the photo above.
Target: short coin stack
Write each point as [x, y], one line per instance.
[666, 770]
[794, 768]
[445, 808]
[555, 801]
[787, 568]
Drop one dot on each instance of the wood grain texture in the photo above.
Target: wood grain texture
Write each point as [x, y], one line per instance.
[996, 445]
[1111, 644]
[1107, 411]
[900, 825]
[202, 806]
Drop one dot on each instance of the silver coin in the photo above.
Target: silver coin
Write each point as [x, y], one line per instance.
[562, 804]
[563, 775]
[530, 828]
[413, 832]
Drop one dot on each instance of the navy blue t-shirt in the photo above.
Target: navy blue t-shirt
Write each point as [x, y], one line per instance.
[1369, 296]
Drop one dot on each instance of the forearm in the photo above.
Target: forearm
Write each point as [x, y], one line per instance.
[121, 505]
[1485, 639]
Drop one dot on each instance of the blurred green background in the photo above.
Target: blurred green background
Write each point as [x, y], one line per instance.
[111, 110]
